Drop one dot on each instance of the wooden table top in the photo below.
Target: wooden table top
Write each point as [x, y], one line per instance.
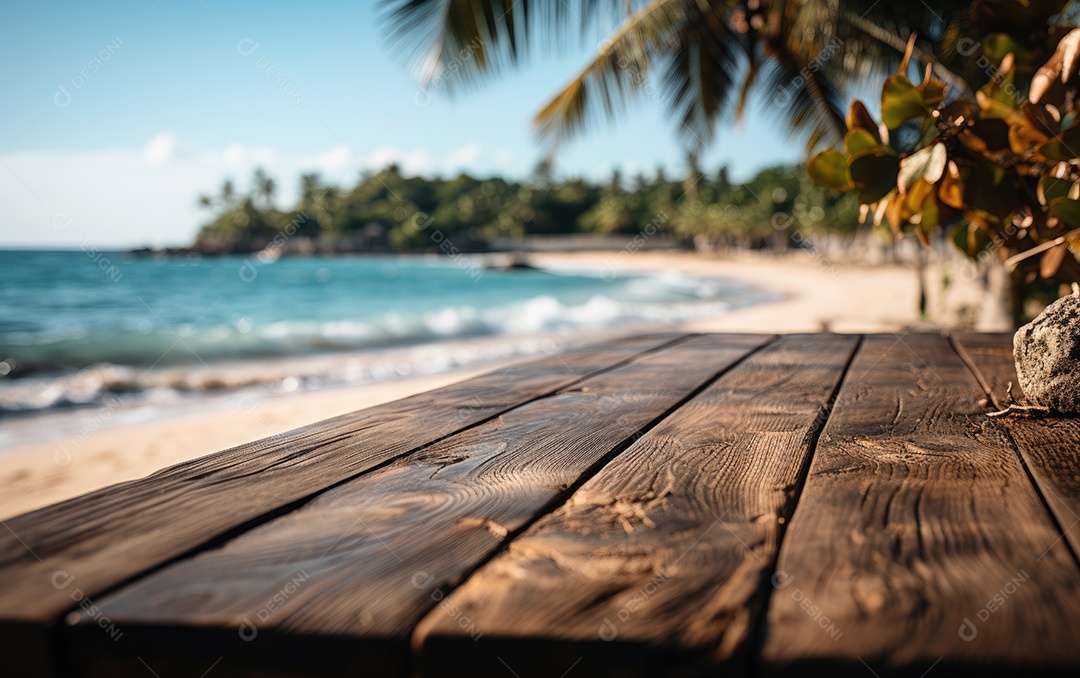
[659, 505]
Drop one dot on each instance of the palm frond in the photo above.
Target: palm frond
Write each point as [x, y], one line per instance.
[700, 71]
[619, 70]
[810, 104]
[464, 42]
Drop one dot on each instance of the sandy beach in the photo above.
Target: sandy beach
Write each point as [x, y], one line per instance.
[813, 295]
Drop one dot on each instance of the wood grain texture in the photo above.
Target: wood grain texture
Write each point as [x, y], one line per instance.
[658, 563]
[918, 540]
[367, 559]
[101, 539]
[1050, 447]
[990, 356]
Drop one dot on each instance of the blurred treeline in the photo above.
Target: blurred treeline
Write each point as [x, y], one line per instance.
[389, 211]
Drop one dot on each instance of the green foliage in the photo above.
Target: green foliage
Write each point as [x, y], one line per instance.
[702, 61]
[993, 157]
[778, 201]
[387, 210]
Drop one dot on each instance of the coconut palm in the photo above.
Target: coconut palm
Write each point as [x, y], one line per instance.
[702, 60]
[311, 190]
[264, 187]
[225, 200]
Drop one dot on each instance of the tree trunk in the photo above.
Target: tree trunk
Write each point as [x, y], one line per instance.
[997, 311]
[920, 270]
[1016, 295]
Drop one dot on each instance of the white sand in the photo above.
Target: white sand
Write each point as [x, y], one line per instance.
[817, 295]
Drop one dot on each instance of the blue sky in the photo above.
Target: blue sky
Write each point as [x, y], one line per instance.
[116, 115]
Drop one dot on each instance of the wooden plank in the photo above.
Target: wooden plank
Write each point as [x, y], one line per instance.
[657, 564]
[104, 538]
[1049, 447]
[989, 356]
[367, 557]
[918, 540]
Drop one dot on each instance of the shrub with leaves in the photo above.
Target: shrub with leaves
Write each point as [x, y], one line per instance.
[999, 170]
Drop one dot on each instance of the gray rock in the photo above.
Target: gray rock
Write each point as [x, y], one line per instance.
[1047, 354]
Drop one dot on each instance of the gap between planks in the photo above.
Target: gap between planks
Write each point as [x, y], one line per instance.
[83, 536]
[139, 606]
[559, 501]
[1046, 448]
[897, 575]
[541, 601]
[757, 642]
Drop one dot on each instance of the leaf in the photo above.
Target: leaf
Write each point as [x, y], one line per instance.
[923, 206]
[1051, 188]
[997, 45]
[1025, 138]
[860, 118]
[927, 163]
[1064, 146]
[992, 108]
[973, 142]
[985, 190]
[951, 189]
[971, 239]
[874, 174]
[1044, 120]
[1062, 63]
[858, 140]
[1051, 260]
[900, 102]
[1066, 210]
[933, 92]
[897, 213]
[830, 169]
[1000, 86]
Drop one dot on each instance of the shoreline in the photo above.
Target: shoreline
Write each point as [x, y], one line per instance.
[809, 294]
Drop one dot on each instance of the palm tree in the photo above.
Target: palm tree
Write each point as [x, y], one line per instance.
[225, 200]
[311, 190]
[264, 186]
[702, 59]
[228, 194]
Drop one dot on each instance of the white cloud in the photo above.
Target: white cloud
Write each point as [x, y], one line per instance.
[147, 195]
[465, 157]
[334, 161]
[411, 162]
[162, 148]
[241, 156]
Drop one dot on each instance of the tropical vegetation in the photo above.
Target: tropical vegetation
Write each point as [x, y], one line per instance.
[995, 164]
[389, 210]
[978, 108]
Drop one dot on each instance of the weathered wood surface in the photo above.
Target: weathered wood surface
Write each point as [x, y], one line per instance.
[918, 540]
[1050, 447]
[989, 357]
[658, 561]
[368, 558]
[99, 540]
[517, 524]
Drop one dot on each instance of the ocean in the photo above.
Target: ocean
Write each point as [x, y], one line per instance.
[81, 329]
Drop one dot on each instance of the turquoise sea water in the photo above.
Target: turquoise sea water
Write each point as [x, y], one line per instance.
[75, 327]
